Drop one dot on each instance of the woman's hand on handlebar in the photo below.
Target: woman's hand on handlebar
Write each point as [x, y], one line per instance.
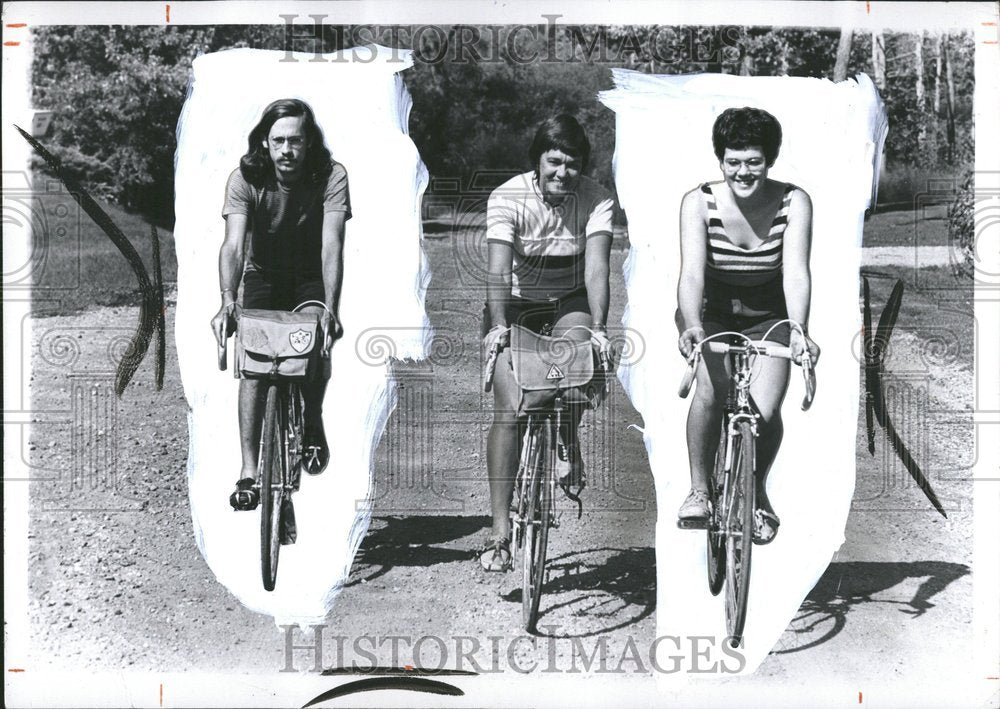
[499, 336]
[600, 342]
[799, 343]
[224, 323]
[689, 339]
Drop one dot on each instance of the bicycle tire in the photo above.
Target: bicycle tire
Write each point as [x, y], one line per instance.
[271, 480]
[739, 538]
[536, 529]
[715, 546]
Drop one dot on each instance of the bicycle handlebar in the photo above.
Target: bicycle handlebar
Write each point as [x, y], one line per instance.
[756, 348]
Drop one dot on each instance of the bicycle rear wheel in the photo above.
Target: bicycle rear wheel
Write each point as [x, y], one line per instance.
[271, 479]
[739, 532]
[716, 539]
[538, 489]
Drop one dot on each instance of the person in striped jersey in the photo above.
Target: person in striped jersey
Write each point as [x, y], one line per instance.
[548, 235]
[744, 267]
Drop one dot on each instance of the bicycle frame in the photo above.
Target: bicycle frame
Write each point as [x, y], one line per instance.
[290, 422]
[739, 407]
[732, 486]
[549, 422]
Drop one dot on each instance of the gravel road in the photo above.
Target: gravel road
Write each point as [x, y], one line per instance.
[116, 581]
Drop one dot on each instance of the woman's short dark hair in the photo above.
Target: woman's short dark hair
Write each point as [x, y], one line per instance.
[564, 133]
[257, 166]
[742, 128]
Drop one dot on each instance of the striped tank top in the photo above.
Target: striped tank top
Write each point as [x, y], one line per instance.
[726, 258]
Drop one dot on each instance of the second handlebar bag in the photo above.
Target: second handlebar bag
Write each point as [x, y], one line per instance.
[547, 367]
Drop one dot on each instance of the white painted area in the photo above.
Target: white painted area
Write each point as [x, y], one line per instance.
[832, 134]
[363, 110]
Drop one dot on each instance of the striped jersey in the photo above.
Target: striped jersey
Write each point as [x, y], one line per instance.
[549, 241]
[725, 257]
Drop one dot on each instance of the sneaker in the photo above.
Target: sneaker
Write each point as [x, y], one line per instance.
[695, 509]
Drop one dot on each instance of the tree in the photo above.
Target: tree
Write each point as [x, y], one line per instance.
[843, 54]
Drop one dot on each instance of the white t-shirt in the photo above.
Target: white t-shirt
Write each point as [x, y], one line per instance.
[549, 241]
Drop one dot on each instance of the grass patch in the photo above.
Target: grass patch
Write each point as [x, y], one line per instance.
[937, 305]
[78, 265]
[923, 225]
[907, 183]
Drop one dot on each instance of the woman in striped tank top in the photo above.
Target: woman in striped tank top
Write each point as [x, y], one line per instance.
[744, 267]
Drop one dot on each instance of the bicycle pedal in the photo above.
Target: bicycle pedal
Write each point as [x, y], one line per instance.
[692, 523]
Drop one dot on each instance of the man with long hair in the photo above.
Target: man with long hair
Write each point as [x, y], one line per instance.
[293, 199]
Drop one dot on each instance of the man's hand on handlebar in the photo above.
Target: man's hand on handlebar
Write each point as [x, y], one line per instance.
[689, 339]
[799, 343]
[330, 330]
[224, 323]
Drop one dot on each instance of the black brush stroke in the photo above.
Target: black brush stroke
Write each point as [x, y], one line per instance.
[373, 684]
[911, 465]
[875, 352]
[871, 367]
[161, 311]
[880, 347]
[410, 671]
[147, 309]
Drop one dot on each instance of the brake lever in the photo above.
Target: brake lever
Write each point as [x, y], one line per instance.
[689, 375]
[809, 375]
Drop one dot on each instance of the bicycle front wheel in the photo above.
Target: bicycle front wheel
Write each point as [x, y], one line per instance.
[716, 538]
[269, 467]
[739, 532]
[538, 489]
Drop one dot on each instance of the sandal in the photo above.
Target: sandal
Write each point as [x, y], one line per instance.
[765, 526]
[694, 511]
[315, 452]
[246, 497]
[495, 555]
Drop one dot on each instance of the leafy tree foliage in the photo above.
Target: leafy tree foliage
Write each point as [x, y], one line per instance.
[478, 91]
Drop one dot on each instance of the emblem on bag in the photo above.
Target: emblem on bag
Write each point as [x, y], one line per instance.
[300, 340]
[555, 372]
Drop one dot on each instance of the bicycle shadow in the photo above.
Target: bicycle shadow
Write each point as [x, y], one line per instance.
[845, 585]
[608, 587]
[411, 541]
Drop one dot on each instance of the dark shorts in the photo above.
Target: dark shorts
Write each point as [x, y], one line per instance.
[750, 310]
[539, 315]
[267, 292]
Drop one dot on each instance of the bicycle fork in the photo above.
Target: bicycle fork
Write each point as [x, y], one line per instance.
[731, 434]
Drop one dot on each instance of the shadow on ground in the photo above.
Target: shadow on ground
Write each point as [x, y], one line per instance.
[595, 591]
[846, 585]
[412, 541]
